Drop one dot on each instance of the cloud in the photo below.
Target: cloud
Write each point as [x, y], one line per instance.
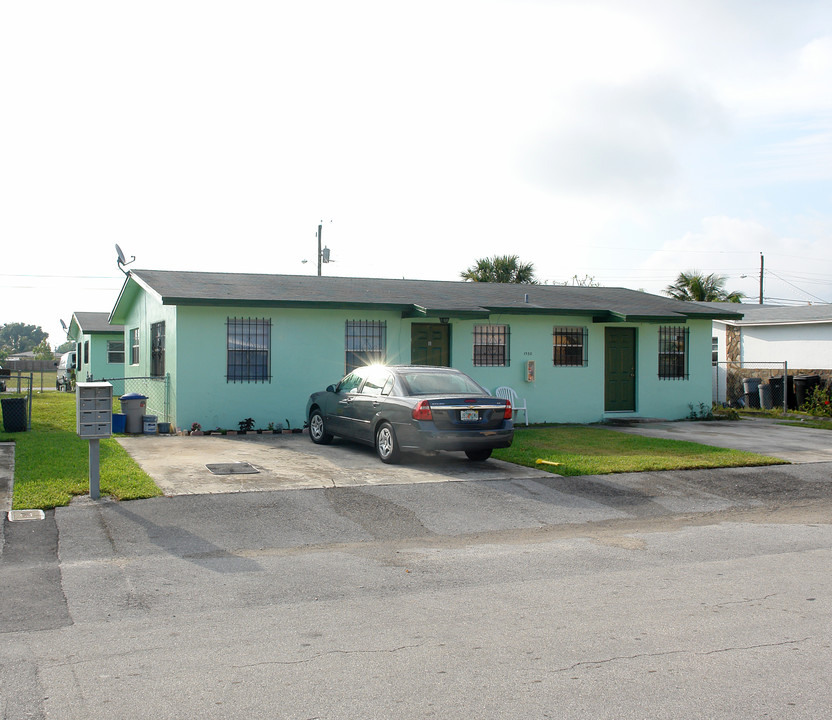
[732, 247]
[624, 141]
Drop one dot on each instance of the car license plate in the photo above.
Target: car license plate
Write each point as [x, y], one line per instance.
[469, 415]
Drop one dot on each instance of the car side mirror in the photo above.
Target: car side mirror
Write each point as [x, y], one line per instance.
[330, 388]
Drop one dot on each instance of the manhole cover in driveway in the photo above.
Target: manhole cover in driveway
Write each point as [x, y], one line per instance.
[237, 468]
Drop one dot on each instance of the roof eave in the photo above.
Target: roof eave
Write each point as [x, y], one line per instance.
[293, 304]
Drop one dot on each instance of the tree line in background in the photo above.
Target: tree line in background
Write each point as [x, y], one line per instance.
[689, 286]
[18, 337]
[509, 269]
[698, 287]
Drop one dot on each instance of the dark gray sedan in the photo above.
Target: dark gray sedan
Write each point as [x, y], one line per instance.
[413, 407]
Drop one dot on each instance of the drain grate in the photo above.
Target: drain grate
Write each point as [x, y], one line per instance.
[20, 515]
[236, 468]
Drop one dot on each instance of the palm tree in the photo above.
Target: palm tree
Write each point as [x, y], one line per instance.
[698, 287]
[501, 269]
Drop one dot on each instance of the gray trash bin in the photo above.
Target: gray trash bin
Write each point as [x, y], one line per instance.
[765, 397]
[752, 391]
[133, 406]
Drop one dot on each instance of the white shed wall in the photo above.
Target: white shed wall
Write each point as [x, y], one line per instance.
[801, 346]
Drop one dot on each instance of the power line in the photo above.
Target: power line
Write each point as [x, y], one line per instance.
[796, 287]
[62, 277]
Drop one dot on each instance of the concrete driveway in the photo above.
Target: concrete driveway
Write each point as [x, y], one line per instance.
[183, 465]
[759, 435]
[180, 464]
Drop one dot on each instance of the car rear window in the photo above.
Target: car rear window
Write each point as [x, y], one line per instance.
[435, 383]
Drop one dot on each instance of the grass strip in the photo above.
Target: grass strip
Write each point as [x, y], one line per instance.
[589, 450]
[52, 462]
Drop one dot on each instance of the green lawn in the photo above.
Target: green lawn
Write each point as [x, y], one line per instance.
[591, 450]
[52, 463]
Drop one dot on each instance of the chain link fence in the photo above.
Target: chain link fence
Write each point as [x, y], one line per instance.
[764, 385]
[155, 389]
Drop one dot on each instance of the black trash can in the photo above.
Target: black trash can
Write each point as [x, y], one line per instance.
[777, 392]
[14, 414]
[803, 386]
[751, 386]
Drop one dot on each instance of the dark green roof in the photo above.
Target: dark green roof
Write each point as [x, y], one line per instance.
[414, 298]
[95, 322]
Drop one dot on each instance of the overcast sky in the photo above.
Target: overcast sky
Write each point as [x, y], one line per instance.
[625, 141]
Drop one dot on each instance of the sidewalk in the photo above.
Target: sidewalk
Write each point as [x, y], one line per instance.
[6, 477]
[180, 464]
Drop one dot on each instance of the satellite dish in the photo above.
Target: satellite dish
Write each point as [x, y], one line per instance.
[121, 261]
[63, 325]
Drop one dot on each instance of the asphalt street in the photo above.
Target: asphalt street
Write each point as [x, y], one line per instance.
[663, 595]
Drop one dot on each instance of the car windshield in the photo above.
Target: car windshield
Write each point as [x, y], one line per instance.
[439, 383]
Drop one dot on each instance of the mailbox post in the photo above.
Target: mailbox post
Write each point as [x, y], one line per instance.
[93, 421]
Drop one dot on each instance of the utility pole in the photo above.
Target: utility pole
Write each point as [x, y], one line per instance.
[323, 253]
[761, 273]
[320, 226]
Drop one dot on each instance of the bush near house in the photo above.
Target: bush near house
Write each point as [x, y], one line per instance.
[819, 403]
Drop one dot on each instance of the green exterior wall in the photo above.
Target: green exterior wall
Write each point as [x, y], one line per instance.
[145, 311]
[98, 367]
[576, 394]
[307, 354]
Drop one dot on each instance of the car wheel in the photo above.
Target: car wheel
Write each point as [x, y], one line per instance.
[387, 446]
[317, 430]
[478, 455]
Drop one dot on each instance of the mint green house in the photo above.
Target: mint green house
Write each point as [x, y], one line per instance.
[99, 348]
[237, 346]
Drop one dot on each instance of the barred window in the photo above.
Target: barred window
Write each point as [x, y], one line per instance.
[157, 349]
[365, 343]
[248, 350]
[673, 353]
[569, 346]
[115, 352]
[134, 346]
[491, 346]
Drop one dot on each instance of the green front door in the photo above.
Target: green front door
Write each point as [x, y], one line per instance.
[430, 344]
[620, 370]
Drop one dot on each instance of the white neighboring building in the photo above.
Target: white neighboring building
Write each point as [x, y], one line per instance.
[800, 336]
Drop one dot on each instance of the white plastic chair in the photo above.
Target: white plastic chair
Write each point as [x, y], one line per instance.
[508, 393]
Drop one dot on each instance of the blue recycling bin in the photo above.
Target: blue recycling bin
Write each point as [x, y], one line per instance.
[119, 423]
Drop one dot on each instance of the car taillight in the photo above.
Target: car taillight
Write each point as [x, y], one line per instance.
[507, 415]
[422, 411]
